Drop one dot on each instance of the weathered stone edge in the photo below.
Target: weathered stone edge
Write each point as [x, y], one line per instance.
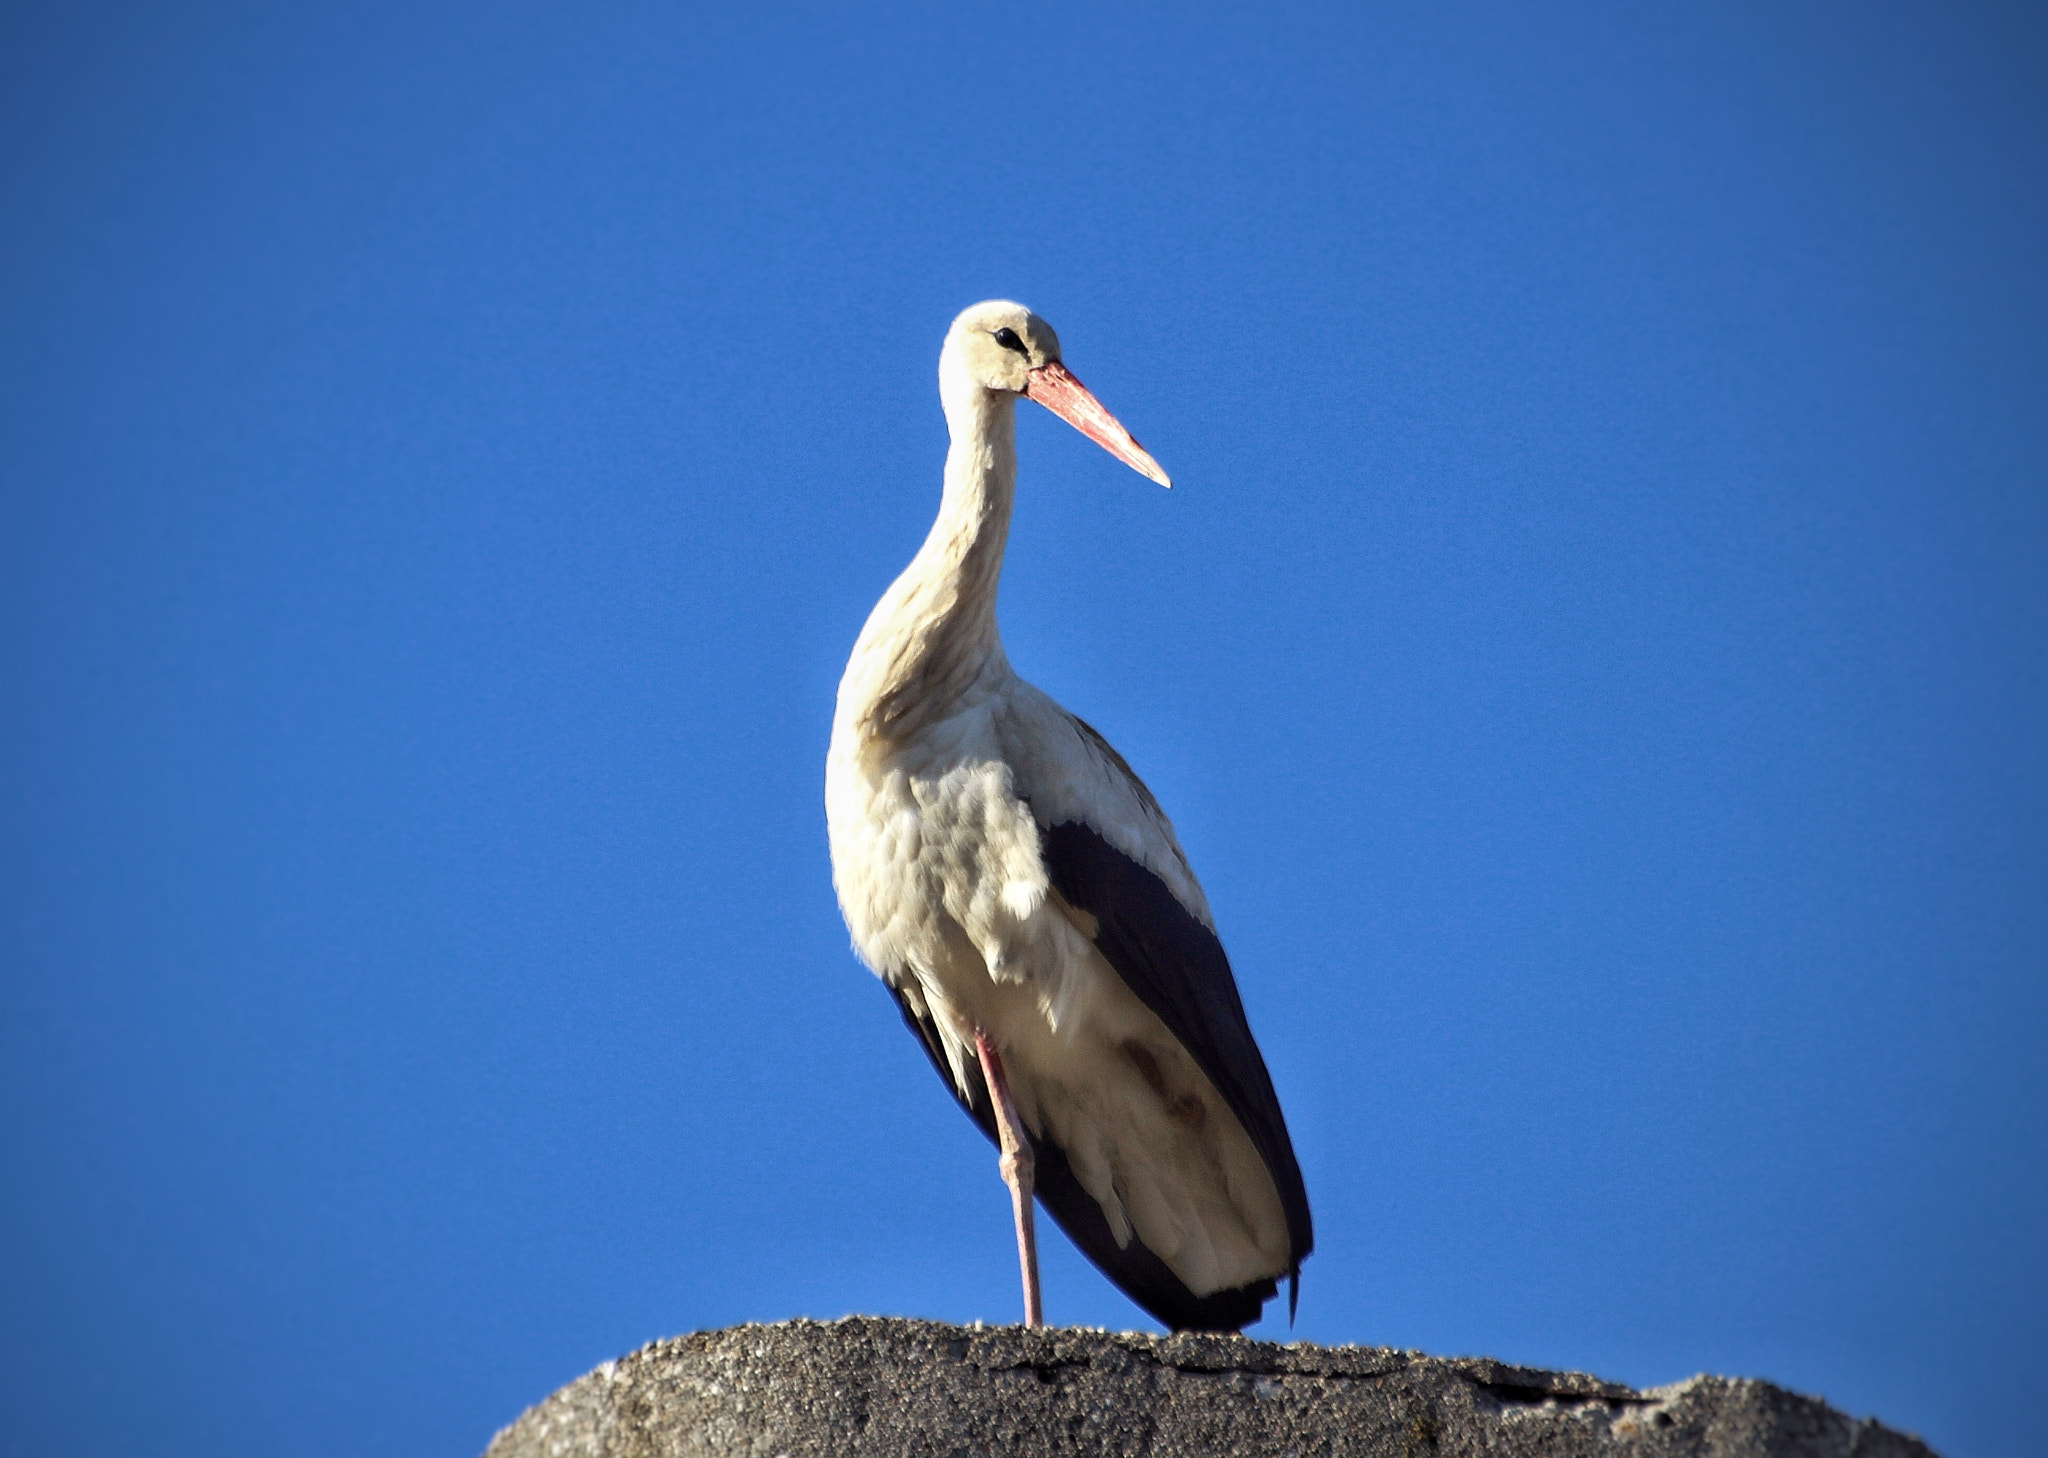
[996, 1348]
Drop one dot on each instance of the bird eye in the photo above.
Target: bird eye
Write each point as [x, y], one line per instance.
[1008, 339]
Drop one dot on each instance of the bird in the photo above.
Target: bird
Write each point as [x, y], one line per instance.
[1022, 894]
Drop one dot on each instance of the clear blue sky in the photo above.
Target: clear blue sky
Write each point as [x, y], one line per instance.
[1594, 652]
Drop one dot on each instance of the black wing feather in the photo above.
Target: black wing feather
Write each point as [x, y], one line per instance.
[1142, 1275]
[1178, 969]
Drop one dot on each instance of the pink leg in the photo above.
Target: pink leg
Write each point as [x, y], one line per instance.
[1017, 1166]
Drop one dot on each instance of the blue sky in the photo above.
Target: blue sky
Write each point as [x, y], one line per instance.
[1593, 653]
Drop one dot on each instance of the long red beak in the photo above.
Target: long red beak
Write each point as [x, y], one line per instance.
[1051, 386]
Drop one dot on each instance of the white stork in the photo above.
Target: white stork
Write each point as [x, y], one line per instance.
[1025, 898]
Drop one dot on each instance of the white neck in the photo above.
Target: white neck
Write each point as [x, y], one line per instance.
[933, 635]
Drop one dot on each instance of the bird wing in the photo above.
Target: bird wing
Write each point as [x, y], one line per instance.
[1135, 1268]
[1111, 852]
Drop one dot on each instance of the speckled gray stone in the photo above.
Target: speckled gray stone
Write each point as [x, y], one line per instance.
[872, 1386]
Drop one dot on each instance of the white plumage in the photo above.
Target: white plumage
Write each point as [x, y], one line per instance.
[980, 835]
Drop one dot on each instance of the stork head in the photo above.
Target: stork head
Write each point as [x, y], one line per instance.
[1006, 349]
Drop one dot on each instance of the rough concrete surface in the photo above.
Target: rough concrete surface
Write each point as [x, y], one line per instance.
[868, 1385]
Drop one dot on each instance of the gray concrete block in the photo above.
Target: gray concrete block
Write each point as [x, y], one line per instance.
[873, 1386]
